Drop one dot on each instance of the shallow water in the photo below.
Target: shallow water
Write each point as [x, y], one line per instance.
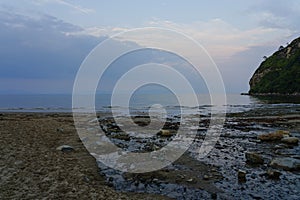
[228, 156]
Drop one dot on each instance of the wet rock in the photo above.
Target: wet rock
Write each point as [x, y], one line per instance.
[281, 146]
[181, 176]
[277, 135]
[242, 176]
[254, 158]
[65, 148]
[273, 174]
[214, 196]
[290, 140]
[289, 164]
[165, 133]
[256, 196]
[121, 136]
[191, 180]
[151, 147]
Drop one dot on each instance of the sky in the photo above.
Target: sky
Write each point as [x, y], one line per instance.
[44, 42]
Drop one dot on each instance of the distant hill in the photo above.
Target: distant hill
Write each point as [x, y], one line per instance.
[279, 74]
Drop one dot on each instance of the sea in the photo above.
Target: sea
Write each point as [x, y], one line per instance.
[59, 103]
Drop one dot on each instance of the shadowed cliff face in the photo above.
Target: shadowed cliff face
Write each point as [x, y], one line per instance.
[280, 73]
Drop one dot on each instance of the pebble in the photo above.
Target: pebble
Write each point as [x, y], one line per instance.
[65, 148]
[191, 180]
[60, 130]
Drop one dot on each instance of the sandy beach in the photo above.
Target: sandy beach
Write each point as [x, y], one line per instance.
[31, 167]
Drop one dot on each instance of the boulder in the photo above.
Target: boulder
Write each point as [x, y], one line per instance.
[290, 140]
[277, 135]
[289, 164]
[254, 158]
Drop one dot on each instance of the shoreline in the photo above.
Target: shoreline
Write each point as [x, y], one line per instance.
[33, 168]
[270, 94]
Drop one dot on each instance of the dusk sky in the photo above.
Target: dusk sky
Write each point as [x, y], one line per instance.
[43, 42]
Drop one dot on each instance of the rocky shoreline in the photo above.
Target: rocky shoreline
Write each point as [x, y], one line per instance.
[256, 157]
[273, 94]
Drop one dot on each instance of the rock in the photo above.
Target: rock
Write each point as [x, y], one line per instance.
[65, 148]
[205, 177]
[290, 140]
[60, 130]
[254, 158]
[191, 180]
[289, 164]
[242, 176]
[273, 174]
[214, 196]
[277, 135]
[181, 176]
[165, 133]
[281, 146]
[121, 136]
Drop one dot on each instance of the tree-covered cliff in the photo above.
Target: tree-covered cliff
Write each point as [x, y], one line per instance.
[280, 73]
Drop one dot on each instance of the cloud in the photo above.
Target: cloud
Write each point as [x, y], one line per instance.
[277, 14]
[75, 7]
[223, 40]
[235, 50]
[72, 6]
[98, 31]
[43, 47]
[37, 47]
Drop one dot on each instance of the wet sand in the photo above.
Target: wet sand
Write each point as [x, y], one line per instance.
[31, 167]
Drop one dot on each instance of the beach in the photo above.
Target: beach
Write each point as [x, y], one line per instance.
[255, 157]
[31, 166]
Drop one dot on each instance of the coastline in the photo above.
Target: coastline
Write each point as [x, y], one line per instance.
[270, 94]
[33, 168]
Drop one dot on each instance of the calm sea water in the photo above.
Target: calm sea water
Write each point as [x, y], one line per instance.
[140, 102]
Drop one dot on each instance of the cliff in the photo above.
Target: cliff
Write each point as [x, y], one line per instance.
[280, 73]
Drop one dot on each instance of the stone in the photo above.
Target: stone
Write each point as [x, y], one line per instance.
[277, 135]
[242, 176]
[191, 180]
[286, 163]
[65, 148]
[214, 196]
[273, 174]
[205, 177]
[290, 140]
[254, 158]
[121, 136]
[165, 133]
[60, 130]
[281, 146]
